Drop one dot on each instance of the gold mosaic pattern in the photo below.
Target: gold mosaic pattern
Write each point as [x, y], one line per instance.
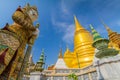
[9, 40]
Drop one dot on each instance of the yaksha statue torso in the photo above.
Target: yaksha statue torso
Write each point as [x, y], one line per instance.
[13, 41]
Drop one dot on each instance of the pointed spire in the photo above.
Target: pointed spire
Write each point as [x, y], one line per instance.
[41, 60]
[40, 63]
[78, 26]
[96, 35]
[67, 49]
[60, 62]
[60, 54]
[107, 28]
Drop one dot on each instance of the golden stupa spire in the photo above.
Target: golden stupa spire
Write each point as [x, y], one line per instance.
[107, 28]
[78, 26]
[60, 54]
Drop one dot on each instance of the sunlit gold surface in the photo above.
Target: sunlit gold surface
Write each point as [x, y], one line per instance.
[68, 57]
[83, 50]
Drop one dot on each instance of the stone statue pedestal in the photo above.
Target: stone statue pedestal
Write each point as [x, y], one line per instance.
[37, 76]
[108, 68]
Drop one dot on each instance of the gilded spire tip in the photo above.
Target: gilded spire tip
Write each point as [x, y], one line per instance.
[77, 24]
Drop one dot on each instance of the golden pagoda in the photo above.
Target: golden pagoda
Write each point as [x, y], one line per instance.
[83, 50]
[82, 46]
[114, 37]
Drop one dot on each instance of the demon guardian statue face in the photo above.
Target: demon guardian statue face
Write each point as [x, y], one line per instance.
[32, 12]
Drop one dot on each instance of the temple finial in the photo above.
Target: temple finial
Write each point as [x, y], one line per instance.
[78, 26]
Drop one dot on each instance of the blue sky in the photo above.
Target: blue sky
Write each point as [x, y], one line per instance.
[57, 23]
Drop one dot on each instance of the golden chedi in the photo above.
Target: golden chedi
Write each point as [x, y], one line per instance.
[68, 57]
[83, 49]
[114, 37]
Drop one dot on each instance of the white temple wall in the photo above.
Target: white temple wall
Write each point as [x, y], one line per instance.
[108, 68]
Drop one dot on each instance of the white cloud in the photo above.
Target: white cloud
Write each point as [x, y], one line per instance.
[66, 29]
[64, 9]
[69, 34]
[58, 23]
